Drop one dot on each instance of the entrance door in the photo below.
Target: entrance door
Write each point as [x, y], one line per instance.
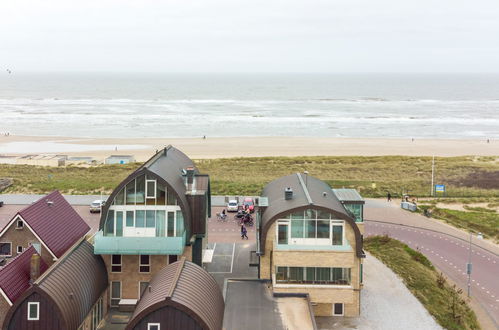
[282, 233]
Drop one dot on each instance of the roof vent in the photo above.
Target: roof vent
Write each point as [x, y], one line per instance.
[50, 203]
[324, 194]
[288, 193]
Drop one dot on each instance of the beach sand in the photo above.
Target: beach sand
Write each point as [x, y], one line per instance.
[199, 148]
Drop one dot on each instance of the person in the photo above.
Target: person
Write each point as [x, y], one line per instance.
[389, 197]
[223, 211]
[244, 232]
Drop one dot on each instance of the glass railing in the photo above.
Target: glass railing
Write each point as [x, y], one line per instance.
[313, 247]
[139, 245]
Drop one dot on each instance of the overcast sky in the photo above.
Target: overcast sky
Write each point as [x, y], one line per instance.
[250, 36]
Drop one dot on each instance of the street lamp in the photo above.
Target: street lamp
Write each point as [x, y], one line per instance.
[469, 267]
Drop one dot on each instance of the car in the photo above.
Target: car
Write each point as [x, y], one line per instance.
[97, 205]
[249, 203]
[232, 206]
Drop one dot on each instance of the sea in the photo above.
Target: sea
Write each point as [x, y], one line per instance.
[161, 105]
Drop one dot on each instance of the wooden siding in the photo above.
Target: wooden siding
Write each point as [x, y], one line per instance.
[170, 318]
[50, 319]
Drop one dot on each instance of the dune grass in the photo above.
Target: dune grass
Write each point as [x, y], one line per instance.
[444, 302]
[372, 176]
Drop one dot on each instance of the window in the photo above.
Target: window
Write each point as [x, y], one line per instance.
[116, 263]
[337, 234]
[313, 275]
[282, 233]
[19, 224]
[115, 293]
[151, 188]
[129, 219]
[19, 249]
[153, 326]
[109, 228]
[150, 219]
[6, 249]
[356, 210]
[33, 311]
[171, 224]
[144, 263]
[140, 219]
[142, 287]
[338, 309]
[312, 227]
[172, 258]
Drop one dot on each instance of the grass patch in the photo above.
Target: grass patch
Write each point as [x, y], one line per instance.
[371, 176]
[443, 301]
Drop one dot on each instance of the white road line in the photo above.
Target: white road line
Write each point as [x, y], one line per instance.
[232, 262]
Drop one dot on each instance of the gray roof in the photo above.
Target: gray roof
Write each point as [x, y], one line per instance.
[348, 195]
[308, 192]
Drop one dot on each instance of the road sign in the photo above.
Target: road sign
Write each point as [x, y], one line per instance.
[440, 188]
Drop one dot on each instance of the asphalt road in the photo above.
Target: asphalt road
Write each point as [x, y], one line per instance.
[449, 254]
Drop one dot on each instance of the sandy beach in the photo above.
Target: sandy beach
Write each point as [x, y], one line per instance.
[200, 148]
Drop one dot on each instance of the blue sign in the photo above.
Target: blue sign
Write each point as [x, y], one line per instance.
[439, 188]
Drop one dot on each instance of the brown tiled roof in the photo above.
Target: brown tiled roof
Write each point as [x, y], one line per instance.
[186, 287]
[15, 276]
[308, 192]
[55, 221]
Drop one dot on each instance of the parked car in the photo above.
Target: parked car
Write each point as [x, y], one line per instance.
[97, 205]
[232, 206]
[249, 203]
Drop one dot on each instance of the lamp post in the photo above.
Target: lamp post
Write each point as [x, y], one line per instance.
[468, 268]
[432, 175]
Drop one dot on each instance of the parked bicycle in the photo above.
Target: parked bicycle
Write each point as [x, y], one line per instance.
[221, 217]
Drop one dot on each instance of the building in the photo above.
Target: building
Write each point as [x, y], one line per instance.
[309, 243]
[353, 203]
[70, 295]
[16, 278]
[120, 159]
[155, 216]
[42, 160]
[80, 160]
[180, 296]
[50, 224]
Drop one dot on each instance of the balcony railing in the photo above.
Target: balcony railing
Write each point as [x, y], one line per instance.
[311, 247]
[138, 245]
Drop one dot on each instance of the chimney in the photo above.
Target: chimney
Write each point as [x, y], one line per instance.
[288, 193]
[50, 203]
[190, 174]
[35, 268]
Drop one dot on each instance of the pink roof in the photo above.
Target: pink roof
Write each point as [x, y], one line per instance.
[55, 221]
[14, 277]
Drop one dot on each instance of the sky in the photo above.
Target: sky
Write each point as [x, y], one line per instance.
[250, 36]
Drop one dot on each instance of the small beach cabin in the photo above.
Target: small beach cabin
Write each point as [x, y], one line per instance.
[120, 159]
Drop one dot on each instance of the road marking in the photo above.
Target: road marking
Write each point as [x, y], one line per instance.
[232, 262]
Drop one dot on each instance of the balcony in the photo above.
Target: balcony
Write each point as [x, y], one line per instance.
[138, 245]
[314, 247]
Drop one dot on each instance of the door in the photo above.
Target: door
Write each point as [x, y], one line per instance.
[282, 233]
[115, 293]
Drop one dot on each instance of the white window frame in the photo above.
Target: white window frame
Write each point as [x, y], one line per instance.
[10, 254]
[120, 264]
[17, 249]
[111, 298]
[342, 309]
[153, 324]
[141, 264]
[283, 223]
[147, 190]
[140, 282]
[343, 238]
[37, 304]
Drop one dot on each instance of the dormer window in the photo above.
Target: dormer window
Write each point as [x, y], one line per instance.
[19, 224]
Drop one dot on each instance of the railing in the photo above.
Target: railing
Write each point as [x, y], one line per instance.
[139, 245]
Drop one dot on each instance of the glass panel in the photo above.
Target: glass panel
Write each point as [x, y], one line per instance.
[337, 235]
[310, 228]
[296, 274]
[310, 275]
[115, 293]
[120, 197]
[141, 187]
[33, 311]
[297, 228]
[143, 287]
[323, 229]
[282, 234]
[180, 224]
[109, 229]
[144, 259]
[129, 219]
[323, 275]
[130, 193]
[151, 189]
[171, 199]
[140, 217]
[297, 215]
[160, 223]
[323, 215]
[281, 274]
[171, 224]
[119, 223]
[310, 214]
[338, 309]
[160, 194]
[116, 259]
[5, 249]
[150, 219]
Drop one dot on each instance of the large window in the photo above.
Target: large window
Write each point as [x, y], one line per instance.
[5, 249]
[313, 275]
[315, 227]
[144, 263]
[115, 293]
[356, 210]
[33, 311]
